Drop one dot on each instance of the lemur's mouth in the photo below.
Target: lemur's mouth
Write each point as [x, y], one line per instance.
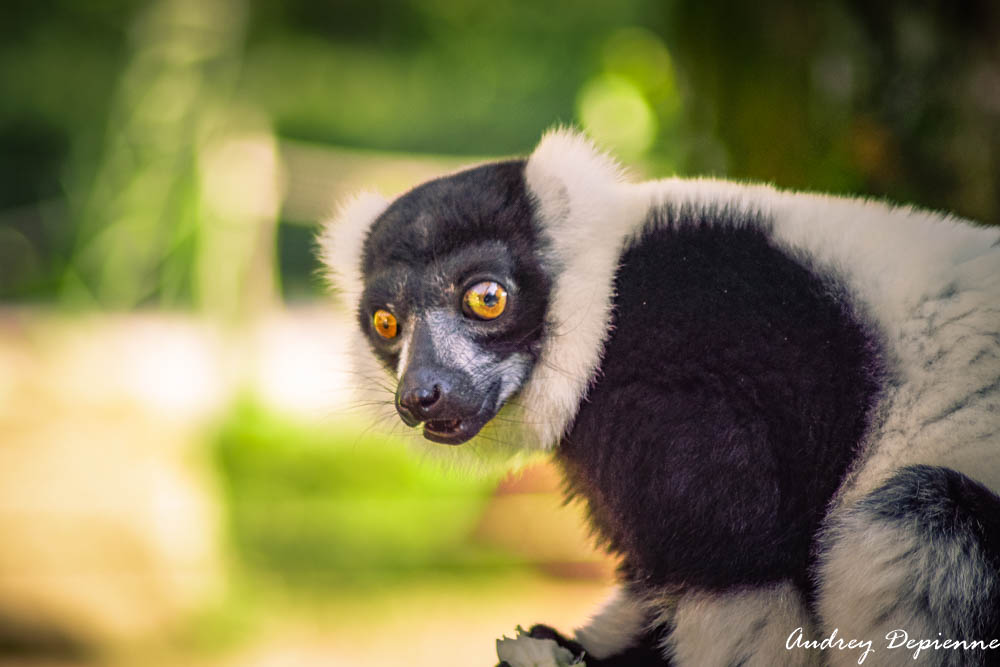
[443, 426]
[447, 431]
[458, 423]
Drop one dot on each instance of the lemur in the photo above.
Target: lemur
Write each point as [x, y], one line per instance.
[781, 410]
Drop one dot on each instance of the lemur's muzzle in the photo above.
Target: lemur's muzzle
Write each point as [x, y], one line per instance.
[451, 405]
[449, 408]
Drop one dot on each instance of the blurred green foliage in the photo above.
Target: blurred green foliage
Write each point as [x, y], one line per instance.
[141, 147]
[895, 99]
[108, 110]
[322, 506]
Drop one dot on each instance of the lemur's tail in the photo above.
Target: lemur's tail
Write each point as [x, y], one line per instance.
[920, 555]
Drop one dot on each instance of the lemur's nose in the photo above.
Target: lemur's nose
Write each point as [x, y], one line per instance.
[422, 395]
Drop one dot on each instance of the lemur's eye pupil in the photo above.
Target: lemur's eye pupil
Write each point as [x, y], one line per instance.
[485, 300]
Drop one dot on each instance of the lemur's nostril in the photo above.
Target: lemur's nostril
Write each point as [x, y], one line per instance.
[429, 398]
[420, 400]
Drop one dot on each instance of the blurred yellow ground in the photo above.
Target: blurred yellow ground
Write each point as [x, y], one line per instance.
[113, 536]
[435, 624]
[432, 624]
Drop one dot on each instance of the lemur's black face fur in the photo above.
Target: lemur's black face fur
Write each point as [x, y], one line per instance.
[455, 298]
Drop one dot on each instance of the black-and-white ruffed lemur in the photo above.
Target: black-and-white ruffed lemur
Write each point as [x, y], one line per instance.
[782, 410]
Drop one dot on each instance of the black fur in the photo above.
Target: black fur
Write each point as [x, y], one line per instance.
[733, 394]
[435, 240]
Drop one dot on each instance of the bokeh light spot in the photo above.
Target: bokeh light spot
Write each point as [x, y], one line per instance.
[615, 113]
[640, 56]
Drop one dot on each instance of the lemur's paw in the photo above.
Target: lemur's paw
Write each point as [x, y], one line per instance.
[540, 647]
[540, 631]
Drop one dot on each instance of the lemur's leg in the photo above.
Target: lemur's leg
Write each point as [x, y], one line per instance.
[748, 627]
[920, 554]
[618, 625]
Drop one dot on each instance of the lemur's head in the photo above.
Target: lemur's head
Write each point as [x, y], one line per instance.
[485, 285]
[455, 298]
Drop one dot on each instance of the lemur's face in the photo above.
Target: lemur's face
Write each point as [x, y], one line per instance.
[454, 300]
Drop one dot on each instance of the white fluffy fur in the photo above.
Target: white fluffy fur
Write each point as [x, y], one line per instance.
[579, 193]
[341, 241]
[741, 628]
[615, 627]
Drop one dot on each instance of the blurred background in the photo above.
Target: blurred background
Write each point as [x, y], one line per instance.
[185, 478]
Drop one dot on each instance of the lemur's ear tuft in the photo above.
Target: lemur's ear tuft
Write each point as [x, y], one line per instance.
[342, 240]
[567, 167]
[585, 209]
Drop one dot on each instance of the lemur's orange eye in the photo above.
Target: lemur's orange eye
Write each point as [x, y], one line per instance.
[385, 324]
[485, 300]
